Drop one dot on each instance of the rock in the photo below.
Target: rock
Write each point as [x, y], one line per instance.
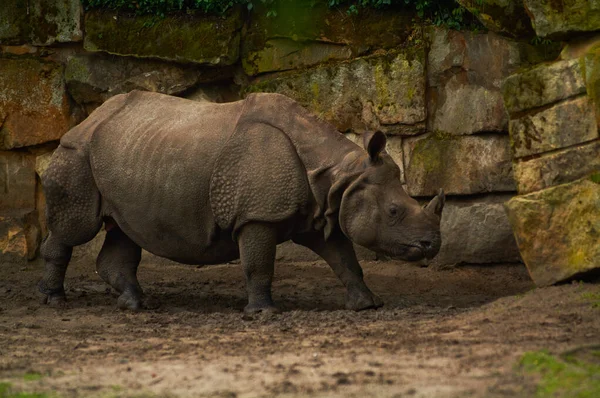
[591, 63]
[42, 162]
[306, 33]
[506, 17]
[393, 148]
[286, 54]
[219, 93]
[558, 230]
[476, 231]
[558, 167]
[580, 46]
[40, 22]
[460, 165]
[543, 85]
[562, 20]
[381, 92]
[205, 40]
[19, 235]
[464, 73]
[567, 123]
[17, 181]
[93, 78]
[34, 106]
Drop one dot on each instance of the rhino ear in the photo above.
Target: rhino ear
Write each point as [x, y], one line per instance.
[437, 203]
[374, 144]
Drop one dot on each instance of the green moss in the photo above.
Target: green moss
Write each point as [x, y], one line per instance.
[7, 391]
[32, 376]
[212, 40]
[561, 377]
[595, 177]
[594, 299]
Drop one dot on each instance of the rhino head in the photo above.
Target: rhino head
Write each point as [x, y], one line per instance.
[376, 212]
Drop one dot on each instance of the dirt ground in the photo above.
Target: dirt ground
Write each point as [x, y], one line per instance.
[442, 333]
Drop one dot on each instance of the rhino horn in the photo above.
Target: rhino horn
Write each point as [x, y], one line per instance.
[437, 204]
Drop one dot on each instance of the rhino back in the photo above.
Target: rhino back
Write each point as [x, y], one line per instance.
[152, 161]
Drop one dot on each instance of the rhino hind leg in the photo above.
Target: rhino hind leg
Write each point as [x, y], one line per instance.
[257, 243]
[117, 265]
[72, 203]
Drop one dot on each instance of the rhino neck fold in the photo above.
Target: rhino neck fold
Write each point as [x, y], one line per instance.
[328, 157]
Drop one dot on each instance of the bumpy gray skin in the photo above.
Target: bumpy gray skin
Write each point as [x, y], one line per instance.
[204, 183]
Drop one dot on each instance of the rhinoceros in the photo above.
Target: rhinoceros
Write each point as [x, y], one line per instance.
[205, 183]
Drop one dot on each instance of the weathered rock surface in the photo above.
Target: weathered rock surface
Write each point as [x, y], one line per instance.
[563, 19]
[40, 22]
[591, 63]
[459, 165]
[93, 78]
[381, 92]
[17, 181]
[464, 73]
[557, 167]
[207, 40]
[543, 85]
[558, 230]
[506, 17]
[19, 235]
[476, 231]
[393, 148]
[306, 33]
[565, 124]
[34, 107]
[286, 54]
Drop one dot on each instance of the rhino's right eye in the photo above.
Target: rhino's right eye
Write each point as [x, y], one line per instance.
[394, 211]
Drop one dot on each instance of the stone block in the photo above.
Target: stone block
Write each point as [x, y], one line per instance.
[464, 74]
[306, 33]
[34, 106]
[558, 230]
[204, 40]
[40, 22]
[543, 85]
[19, 235]
[17, 181]
[558, 167]
[563, 19]
[476, 231]
[381, 92]
[506, 17]
[93, 78]
[566, 123]
[460, 165]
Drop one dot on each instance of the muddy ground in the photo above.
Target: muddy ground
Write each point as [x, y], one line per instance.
[442, 333]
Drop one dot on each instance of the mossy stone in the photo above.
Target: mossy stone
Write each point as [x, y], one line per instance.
[562, 20]
[558, 230]
[205, 40]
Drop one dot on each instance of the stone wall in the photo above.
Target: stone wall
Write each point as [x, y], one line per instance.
[436, 93]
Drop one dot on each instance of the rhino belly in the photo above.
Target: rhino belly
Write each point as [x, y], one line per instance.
[154, 180]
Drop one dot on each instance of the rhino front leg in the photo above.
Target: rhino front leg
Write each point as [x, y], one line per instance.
[257, 244]
[339, 254]
[117, 265]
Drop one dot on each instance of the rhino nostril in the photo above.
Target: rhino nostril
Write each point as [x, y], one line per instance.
[425, 244]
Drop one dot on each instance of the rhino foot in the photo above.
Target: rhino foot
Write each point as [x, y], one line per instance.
[261, 308]
[359, 300]
[135, 302]
[56, 300]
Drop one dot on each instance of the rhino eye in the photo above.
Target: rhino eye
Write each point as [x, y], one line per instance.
[394, 211]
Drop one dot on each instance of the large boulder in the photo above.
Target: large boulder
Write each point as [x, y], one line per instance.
[464, 75]
[34, 105]
[93, 78]
[506, 17]
[567, 123]
[17, 181]
[558, 230]
[306, 33]
[205, 40]
[460, 165]
[19, 235]
[543, 85]
[476, 231]
[381, 92]
[563, 19]
[40, 22]
[558, 167]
